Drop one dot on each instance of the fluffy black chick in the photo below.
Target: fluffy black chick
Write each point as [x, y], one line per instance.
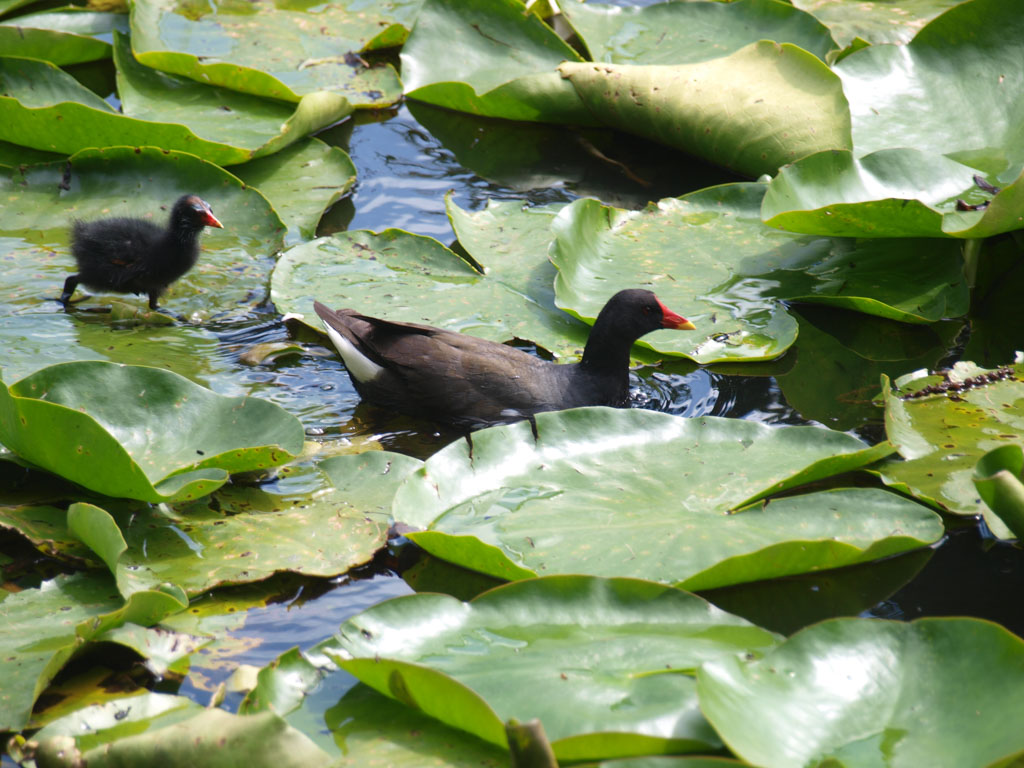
[128, 255]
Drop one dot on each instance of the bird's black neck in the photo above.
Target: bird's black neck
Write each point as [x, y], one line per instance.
[182, 231]
[608, 346]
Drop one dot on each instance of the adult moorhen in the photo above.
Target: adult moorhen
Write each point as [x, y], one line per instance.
[469, 382]
[127, 255]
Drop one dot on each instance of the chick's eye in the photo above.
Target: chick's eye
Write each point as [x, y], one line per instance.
[648, 309]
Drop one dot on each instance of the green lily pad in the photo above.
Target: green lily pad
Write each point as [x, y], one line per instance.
[118, 430]
[942, 439]
[252, 126]
[41, 629]
[752, 111]
[375, 730]
[282, 684]
[212, 737]
[95, 528]
[889, 193]
[683, 33]
[605, 665]
[122, 716]
[405, 277]
[866, 693]
[709, 257]
[301, 182]
[505, 67]
[64, 36]
[302, 49]
[873, 21]
[12, 155]
[37, 213]
[957, 89]
[46, 527]
[6, 6]
[242, 534]
[45, 108]
[997, 476]
[662, 488]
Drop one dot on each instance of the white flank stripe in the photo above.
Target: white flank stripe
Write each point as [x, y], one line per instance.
[359, 365]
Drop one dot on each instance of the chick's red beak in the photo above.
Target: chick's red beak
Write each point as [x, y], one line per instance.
[210, 220]
[670, 319]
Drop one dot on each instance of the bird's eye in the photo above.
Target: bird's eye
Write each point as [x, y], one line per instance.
[648, 309]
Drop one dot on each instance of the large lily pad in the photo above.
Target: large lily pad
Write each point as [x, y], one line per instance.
[708, 256]
[400, 276]
[872, 21]
[243, 534]
[752, 111]
[37, 213]
[301, 181]
[654, 501]
[377, 730]
[683, 33]
[253, 126]
[956, 89]
[302, 48]
[605, 665]
[119, 429]
[45, 108]
[66, 36]
[942, 438]
[862, 693]
[505, 66]
[41, 629]
[889, 193]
